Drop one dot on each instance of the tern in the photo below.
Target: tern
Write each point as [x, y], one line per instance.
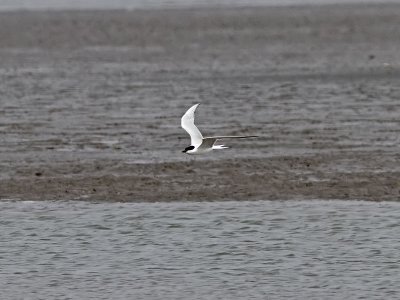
[198, 143]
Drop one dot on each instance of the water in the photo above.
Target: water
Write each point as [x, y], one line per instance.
[134, 4]
[217, 250]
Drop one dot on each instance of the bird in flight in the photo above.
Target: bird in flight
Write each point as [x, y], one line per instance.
[198, 143]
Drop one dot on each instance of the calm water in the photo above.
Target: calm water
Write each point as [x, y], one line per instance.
[220, 250]
[133, 4]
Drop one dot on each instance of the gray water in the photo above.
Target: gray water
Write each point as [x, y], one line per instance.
[214, 250]
[135, 4]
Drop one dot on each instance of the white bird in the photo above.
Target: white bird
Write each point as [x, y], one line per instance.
[200, 144]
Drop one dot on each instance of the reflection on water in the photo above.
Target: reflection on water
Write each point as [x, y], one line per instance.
[220, 250]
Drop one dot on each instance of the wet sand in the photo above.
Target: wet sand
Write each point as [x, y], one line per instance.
[91, 103]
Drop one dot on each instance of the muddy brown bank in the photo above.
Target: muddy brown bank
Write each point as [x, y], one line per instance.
[91, 103]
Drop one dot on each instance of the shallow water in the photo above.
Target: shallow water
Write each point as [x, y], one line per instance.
[134, 4]
[217, 250]
[91, 100]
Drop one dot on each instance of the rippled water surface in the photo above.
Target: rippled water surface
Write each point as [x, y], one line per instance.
[133, 4]
[218, 250]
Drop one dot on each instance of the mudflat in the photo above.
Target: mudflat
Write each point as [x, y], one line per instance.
[91, 103]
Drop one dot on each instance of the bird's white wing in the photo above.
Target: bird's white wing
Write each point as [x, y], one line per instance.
[187, 123]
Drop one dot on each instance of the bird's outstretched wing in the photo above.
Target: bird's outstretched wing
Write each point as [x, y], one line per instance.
[187, 123]
[207, 143]
[231, 137]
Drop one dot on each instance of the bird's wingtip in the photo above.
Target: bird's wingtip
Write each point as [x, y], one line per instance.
[194, 106]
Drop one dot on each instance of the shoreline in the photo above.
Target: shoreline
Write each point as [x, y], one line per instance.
[278, 178]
